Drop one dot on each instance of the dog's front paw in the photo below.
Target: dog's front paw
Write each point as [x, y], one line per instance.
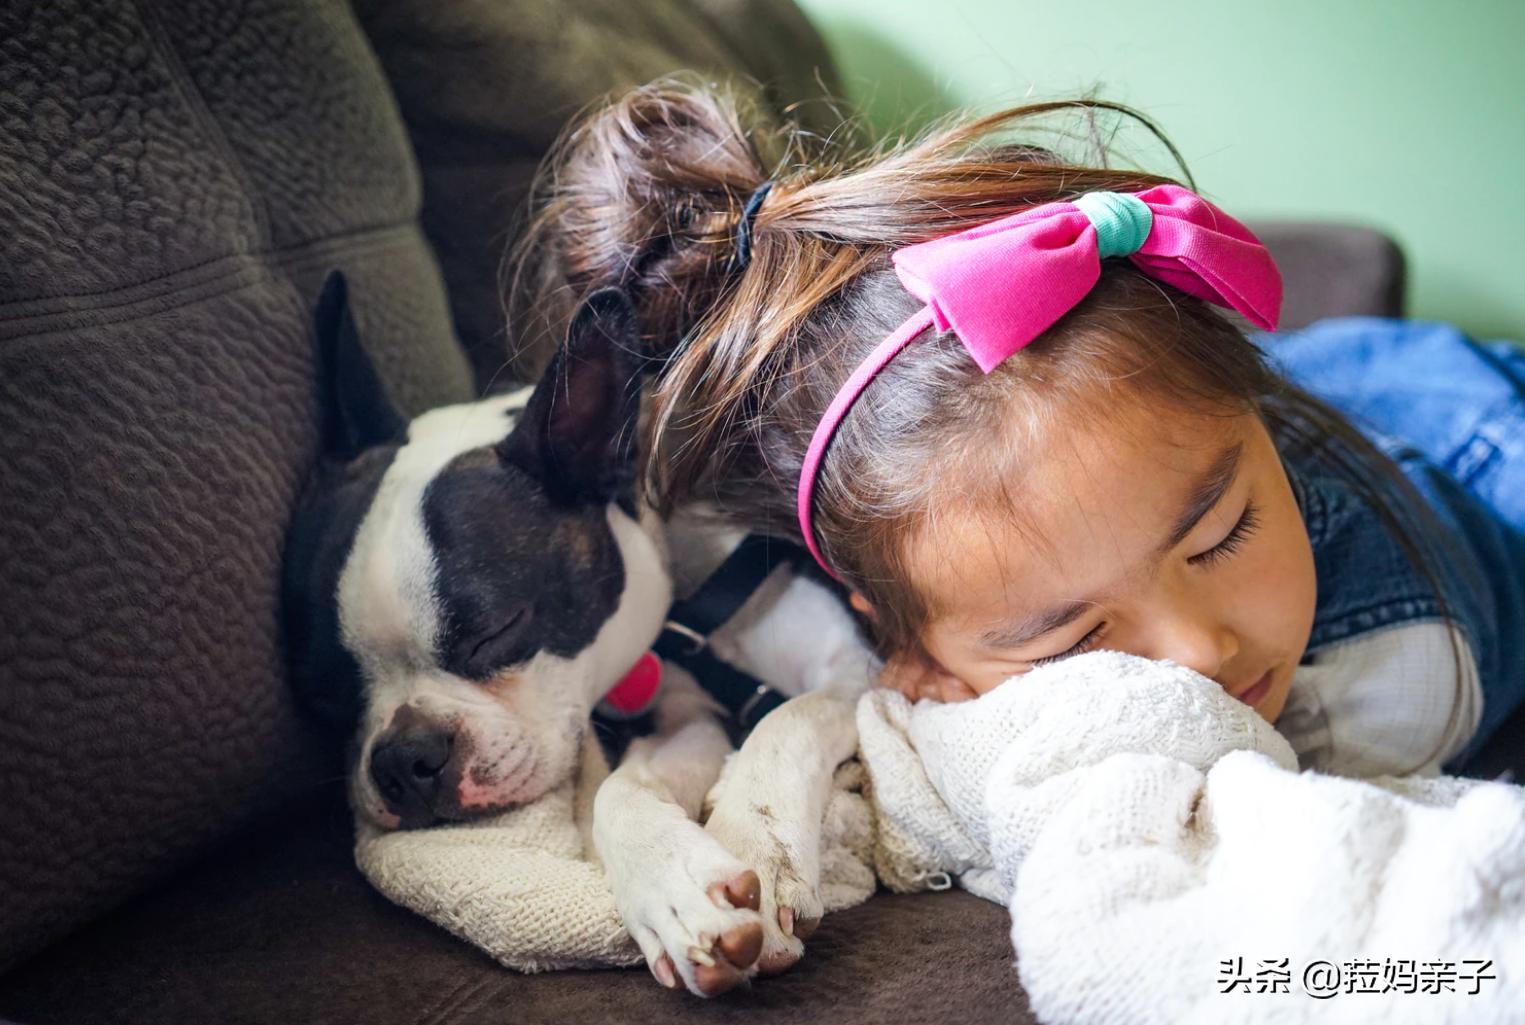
[693, 911]
[711, 963]
[788, 872]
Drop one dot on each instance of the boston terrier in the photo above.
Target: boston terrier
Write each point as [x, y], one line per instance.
[461, 591]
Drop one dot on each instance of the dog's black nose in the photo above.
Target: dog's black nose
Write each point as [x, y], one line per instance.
[407, 768]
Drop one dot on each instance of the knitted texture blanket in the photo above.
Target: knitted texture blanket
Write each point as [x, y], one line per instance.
[1164, 861]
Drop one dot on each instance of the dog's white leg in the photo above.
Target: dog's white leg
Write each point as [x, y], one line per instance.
[768, 807]
[688, 901]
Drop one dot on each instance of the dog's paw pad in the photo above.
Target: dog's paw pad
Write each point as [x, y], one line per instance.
[742, 944]
[713, 980]
[722, 964]
[714, 975]
[800, 927]
[741, 891]
[787, 944]
[777, 961]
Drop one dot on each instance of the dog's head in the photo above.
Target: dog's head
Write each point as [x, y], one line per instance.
[461, 590]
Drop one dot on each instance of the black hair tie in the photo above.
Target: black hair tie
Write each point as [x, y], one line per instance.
[743, 253]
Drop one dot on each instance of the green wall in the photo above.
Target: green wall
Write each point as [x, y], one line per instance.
[1407, 115]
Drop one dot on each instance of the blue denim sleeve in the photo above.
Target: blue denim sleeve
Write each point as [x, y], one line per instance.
[1451, 414]
[1459, 403]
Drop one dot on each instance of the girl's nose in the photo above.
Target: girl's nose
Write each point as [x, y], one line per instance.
[1196, 640]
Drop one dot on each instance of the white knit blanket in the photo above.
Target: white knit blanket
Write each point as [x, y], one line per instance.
[1164, 861]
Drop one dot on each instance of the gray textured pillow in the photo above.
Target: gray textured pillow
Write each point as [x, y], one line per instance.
[175, 178]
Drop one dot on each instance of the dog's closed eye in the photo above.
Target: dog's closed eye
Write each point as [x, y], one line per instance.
[503, 645]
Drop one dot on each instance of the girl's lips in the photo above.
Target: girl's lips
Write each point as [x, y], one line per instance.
[1261, 688]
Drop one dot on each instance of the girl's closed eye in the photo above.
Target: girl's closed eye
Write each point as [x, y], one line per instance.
[1085, 643]
[1249, 520]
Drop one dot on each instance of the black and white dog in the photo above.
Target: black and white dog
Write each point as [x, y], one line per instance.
[463, 589]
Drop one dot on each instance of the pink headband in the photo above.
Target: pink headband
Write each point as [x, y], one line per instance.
[1001, 285]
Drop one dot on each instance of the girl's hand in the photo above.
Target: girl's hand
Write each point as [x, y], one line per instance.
[917, 678]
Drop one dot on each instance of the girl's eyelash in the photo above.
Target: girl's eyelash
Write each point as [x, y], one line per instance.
[1236, 538]
[1085, 643]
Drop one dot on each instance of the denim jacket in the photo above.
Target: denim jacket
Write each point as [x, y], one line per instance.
[1451, 414]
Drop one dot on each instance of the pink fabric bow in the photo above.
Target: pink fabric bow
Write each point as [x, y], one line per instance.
[1002, 284]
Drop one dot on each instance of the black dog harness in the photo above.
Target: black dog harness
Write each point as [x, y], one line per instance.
[684, 641]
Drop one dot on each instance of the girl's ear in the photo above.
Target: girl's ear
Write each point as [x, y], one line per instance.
[860, 605]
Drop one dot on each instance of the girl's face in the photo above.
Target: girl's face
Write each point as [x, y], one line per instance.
[1163, 535]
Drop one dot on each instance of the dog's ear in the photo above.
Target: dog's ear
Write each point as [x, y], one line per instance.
[578, 433]
[356, 411]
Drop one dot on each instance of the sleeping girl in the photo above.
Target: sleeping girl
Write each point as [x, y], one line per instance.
[1010, 403]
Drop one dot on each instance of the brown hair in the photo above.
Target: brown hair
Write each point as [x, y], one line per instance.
[647, 191]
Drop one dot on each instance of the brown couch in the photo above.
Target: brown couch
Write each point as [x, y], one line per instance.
[176, 176]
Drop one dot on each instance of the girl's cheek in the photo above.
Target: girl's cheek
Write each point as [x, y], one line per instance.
[1282, 576]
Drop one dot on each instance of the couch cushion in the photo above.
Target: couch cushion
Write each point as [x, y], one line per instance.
[1334, 270]
[281, 928]
[486, 88]
[175, 179]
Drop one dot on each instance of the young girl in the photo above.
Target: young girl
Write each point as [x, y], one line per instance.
[1001, 398]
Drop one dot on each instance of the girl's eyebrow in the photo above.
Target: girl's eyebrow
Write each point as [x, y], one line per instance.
[1206, 493]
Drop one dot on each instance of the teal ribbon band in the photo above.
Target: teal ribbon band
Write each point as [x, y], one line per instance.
[1122, 222]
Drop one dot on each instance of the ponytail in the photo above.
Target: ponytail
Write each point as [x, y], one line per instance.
[643, 193]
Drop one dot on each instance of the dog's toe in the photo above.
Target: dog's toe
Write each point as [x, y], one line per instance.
[741, 891]
[800, 926]
[785, 950]
[742, 944]
[720, 977]
[725, 963]
[665, 973]
[776, 962]
[796, 915]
